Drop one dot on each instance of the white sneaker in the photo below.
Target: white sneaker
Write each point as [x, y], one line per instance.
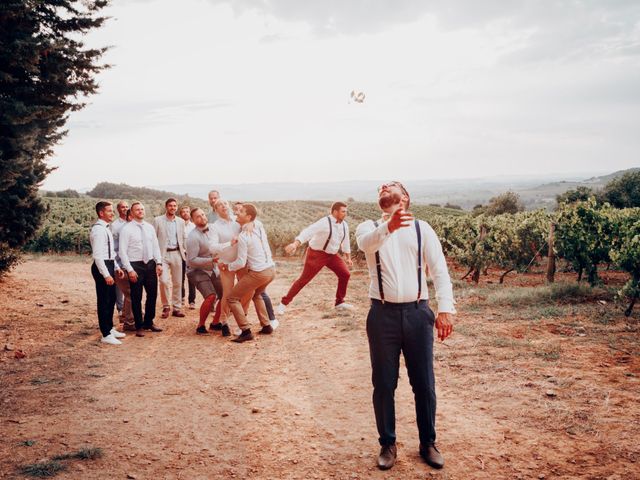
[274, 323]
[345, 306]
[192, 306]
[237, 332]
[111, 340]
[117, 334]
[280, 309]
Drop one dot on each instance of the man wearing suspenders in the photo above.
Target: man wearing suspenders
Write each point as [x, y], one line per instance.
[104, 270]
[397, 249]
[326, 237]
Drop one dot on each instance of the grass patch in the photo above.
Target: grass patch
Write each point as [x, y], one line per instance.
[549, 353]
[550, 311]
[27, 443]
[347, 324]
[504, 342]
[563, 292]
[89, 453]
[42, 469]
[44, 381]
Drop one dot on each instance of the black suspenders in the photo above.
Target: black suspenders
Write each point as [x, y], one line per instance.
[344, 234]
[379, 267]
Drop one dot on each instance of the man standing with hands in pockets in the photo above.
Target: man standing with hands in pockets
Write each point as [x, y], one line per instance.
[398, 248]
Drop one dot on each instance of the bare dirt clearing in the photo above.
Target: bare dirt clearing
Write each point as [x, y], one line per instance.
[525, 391]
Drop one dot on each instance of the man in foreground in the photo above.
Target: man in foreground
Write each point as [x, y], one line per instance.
[327, 237]
[254, 253]
[141, 258]
[104, 270]
[400, 320]
[200, 263]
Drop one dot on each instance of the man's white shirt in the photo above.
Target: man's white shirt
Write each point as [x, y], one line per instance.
[221, 233]
[317, 233]
[131, 249]
[399, 263]
[253, 251]
[101, 238]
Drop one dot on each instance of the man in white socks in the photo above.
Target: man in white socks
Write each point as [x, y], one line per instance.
[172, 240]
[104, 270]
[327, 238]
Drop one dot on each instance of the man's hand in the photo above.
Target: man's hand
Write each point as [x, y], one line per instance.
[223, 267]
[292, 247]
[133, 276]
[444, 325]
[159, 270]
[399, 219]
[120, 273]
[234, 241]
[347, 259]
[109, 280]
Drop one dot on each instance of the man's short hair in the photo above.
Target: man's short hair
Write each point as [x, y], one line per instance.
[194, 211]
[213, 191]
[338, 206]
[100, 206]
[169, 200]
[134, 204]
[251, 210]
[120, 203]
[183, 207]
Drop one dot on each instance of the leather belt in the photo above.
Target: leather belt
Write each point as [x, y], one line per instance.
[172, 249]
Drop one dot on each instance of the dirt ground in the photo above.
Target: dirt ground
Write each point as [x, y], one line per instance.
[545, 392]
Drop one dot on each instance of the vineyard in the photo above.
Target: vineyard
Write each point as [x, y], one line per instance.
[583, 236]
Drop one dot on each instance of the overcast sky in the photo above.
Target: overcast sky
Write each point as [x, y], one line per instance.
[214, 91]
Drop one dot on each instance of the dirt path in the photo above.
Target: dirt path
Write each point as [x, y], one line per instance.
[297, 404]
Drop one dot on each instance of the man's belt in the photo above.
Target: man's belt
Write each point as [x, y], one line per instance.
[172, 249]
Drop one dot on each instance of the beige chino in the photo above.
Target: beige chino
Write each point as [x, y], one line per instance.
[253, 283]
[228, 280]
[125, 287]
[171, 288]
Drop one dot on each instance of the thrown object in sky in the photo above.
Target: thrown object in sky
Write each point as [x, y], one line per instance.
[357, 96]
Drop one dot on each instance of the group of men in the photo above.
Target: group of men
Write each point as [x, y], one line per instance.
[228, 259]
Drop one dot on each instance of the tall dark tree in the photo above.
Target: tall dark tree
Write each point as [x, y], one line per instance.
[624, 191]
[45, 71]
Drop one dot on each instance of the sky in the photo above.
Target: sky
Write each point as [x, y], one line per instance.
[245, 91]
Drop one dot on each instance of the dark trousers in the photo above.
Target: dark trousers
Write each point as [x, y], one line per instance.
[268, 305]
[147, 279]
[406, 328]
[314, 261]
[106, 295]
[192, 286]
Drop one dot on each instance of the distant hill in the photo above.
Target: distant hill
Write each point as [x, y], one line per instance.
[122, 190]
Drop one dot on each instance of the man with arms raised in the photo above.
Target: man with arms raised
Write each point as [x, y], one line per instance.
[123, 292]
[104, 270]
[141, 258]
[254, 253]
[185, 214]
[171, 238]
[326, 238]
[200, 263]
[400, 320]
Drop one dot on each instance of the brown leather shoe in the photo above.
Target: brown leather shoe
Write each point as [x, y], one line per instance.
[246, 335]
[153, 328]
[165, 312]
[266, 330]
[139, 332]
[129, 328]
[178, 313]
[432, 456]
[387, 457]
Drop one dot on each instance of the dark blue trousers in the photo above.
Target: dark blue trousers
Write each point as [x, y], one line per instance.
[407, 328]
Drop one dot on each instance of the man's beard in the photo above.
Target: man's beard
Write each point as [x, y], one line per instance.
[389, 200]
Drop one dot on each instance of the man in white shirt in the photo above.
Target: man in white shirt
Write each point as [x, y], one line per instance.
[123, 292]
[396, 247]
[254, 253]
[171, 238]
[141, 258]
[327, 237]
[104, 269]
[185, 214]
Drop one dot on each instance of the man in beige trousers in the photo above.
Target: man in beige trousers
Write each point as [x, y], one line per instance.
[170, 230]
[254, 253]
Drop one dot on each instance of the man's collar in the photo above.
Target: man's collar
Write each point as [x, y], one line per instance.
[102, 222]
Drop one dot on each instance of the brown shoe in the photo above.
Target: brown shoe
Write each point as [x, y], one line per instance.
[165, 312]
[246, 335]
[139, 332]
[153, 328]
[177, 313]
[129, 328]
[266, 330]
[432, 456]
[387, 457]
